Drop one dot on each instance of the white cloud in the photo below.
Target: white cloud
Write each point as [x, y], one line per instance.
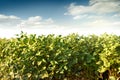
[49, 20]
[9, 21]
[79, 17]
[116, 15]
[95, 7]
[99, 23]
[36, 22]
[3, 17]
[96, 1]
[35, 19]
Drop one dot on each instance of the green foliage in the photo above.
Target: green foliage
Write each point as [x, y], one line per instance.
[31, 57]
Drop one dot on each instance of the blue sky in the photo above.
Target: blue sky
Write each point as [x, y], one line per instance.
[59, 16]
[44, 8]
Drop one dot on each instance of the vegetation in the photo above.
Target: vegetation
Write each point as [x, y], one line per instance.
[72, 57]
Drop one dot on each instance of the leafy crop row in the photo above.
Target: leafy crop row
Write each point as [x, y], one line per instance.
[72, 57]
